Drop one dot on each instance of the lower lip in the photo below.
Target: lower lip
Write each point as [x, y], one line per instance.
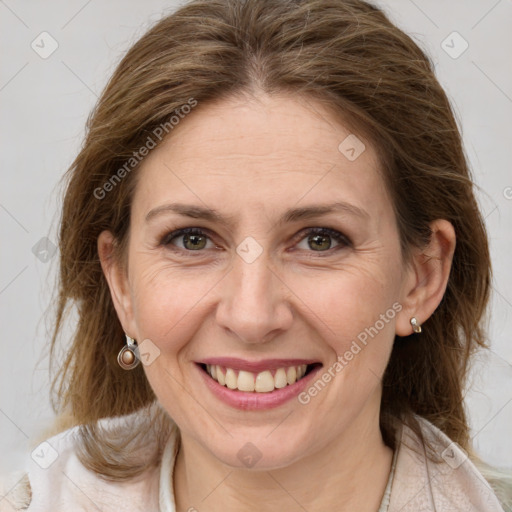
[254, 401]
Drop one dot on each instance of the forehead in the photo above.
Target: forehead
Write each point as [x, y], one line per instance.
[264, 153]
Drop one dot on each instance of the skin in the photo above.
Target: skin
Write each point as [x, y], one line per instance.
[252, 158]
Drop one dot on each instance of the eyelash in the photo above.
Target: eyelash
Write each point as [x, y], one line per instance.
[342, 239]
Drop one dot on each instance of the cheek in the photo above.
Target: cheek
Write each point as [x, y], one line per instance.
[351, 299]
[354, 309]
[167, 301]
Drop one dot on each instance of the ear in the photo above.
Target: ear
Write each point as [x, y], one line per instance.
[427, 277]
[117, 278]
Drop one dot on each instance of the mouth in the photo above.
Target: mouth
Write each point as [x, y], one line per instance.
[264, 381]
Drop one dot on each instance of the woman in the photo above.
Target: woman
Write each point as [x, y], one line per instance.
[279, 269]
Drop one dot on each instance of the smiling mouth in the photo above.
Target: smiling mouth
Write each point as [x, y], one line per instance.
[261, 382]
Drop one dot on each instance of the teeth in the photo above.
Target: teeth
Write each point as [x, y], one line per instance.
[231, 380]
[246, 381]
[280, 378]
[221, 378]
[263, 382]
[291, 375]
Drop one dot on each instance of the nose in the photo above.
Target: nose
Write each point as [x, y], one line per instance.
[254, 303]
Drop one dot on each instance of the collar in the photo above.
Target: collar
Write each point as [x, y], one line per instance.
[450, 482]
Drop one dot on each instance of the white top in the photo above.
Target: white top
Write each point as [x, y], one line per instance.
[415, 483]
[166, 497]
[166, 494]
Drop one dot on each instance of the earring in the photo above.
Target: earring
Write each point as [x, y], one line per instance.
[416, 327]
[127, 357]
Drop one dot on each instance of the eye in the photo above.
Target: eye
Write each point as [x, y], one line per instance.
[193, 239]
[320, 239]
[196, 239]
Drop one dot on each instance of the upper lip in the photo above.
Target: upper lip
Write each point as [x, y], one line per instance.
[255, 366]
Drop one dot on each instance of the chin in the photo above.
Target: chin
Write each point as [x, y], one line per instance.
[258, 454]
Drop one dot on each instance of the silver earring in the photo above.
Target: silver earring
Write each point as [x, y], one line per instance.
[416, 327]
[127, 357]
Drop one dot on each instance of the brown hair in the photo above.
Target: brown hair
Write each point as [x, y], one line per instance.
[345, 53]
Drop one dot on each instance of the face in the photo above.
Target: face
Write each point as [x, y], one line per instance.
[268, 281]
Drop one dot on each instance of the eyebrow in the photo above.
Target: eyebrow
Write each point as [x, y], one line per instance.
[291, 215]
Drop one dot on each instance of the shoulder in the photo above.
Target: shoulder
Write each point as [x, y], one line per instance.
[440, 475]
[54, 478]
[496, 480]
[499, 479]
[15, 492]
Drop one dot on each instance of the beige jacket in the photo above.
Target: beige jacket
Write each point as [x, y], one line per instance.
[56, 481]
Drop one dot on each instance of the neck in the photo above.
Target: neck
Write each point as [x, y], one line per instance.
[334, 478]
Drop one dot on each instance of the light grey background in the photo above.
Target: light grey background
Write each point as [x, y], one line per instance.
[45, 103]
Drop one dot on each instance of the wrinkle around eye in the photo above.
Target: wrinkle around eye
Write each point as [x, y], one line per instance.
[158, 270]
[350, 239]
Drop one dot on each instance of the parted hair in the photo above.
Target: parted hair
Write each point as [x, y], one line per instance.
[346, 54]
